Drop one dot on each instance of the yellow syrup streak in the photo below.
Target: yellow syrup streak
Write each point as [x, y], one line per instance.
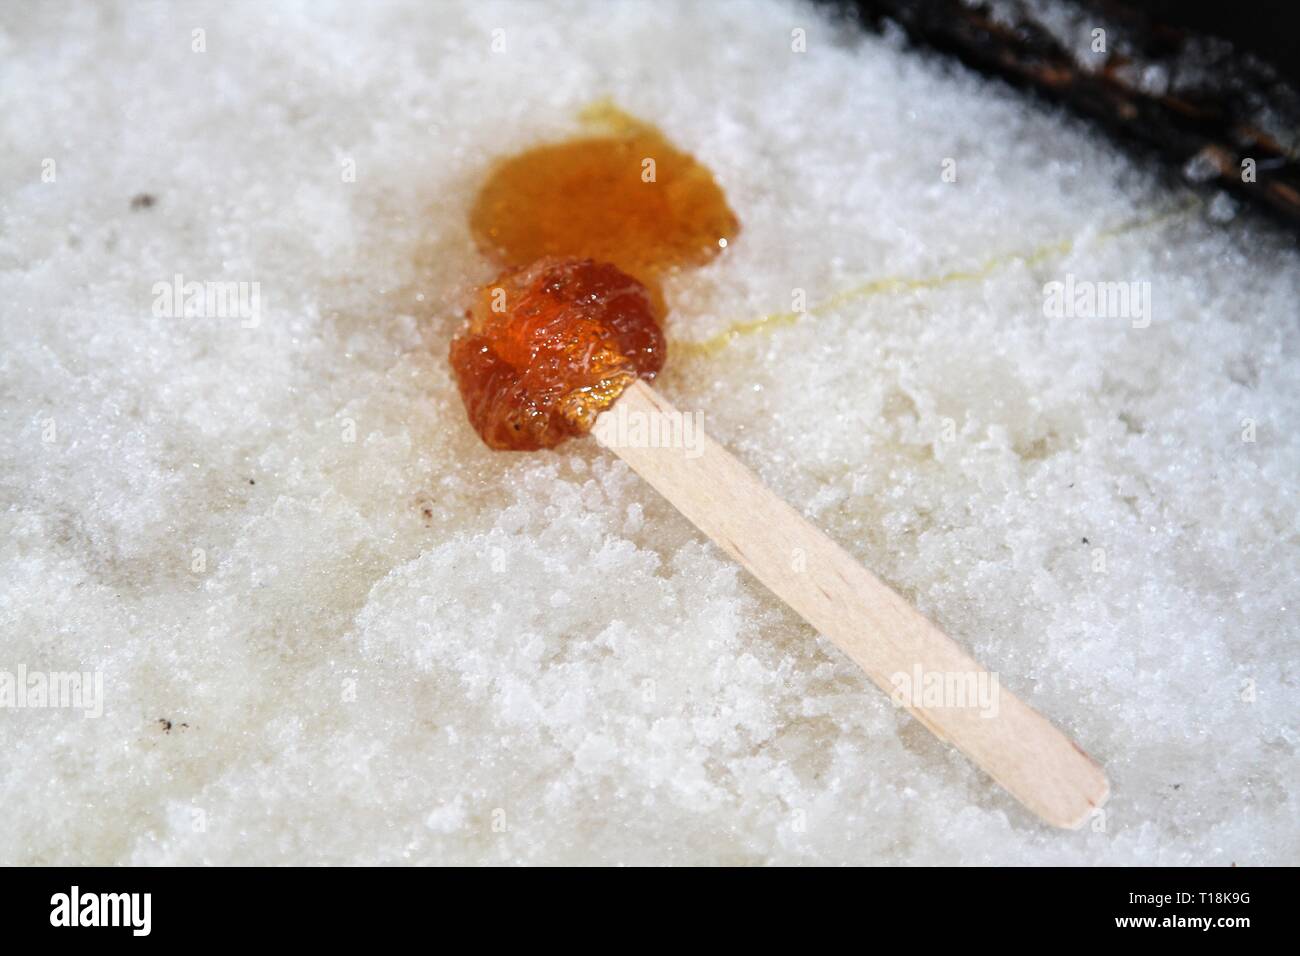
[896, 284]
[604, 115]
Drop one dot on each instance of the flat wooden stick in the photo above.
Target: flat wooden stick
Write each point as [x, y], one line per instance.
[888, 638]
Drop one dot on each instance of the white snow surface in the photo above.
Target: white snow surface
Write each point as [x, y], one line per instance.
[332, 627]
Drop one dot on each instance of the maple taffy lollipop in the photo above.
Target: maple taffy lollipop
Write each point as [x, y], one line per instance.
[547, 347]
[559, 342]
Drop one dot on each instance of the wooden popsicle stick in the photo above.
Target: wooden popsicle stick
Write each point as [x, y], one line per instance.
[882, 633]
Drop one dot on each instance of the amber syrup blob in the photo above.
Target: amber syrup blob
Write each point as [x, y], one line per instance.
[623, 195]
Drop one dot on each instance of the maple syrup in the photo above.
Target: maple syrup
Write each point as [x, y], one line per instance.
[624, 195]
